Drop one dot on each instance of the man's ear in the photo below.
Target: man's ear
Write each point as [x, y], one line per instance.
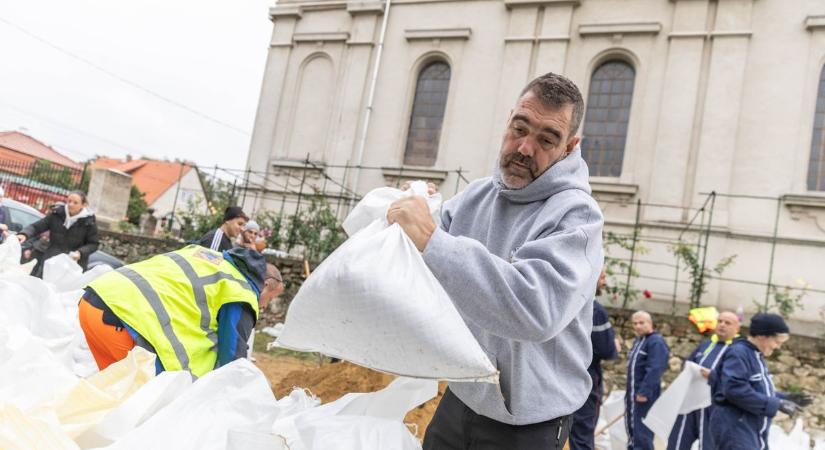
[571, 144]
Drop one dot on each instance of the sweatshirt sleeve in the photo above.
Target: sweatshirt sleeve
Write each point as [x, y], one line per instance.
[235, 324]
[92, 241]
[734, 384]
[603, 335]
[36, 228]
[657, 356]
[534, 295]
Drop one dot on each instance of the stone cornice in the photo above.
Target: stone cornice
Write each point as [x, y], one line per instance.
[815, 23]
[535, 3]
[322, 36]
[285, 12]
[367, 7]
[438, 33]
[599, 29]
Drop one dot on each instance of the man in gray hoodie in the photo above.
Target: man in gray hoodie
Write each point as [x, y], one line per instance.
[519, 254]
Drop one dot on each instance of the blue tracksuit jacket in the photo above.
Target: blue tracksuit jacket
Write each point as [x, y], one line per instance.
[690, 427]
[744, 399]
[645, 366]
[584, 420]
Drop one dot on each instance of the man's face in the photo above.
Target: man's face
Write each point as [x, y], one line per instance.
[642, 325]
[537, 137]
[234, 226]
[768, 344]
[601, 283]
[727, 326]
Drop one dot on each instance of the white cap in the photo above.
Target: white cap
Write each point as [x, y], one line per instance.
[251, 225]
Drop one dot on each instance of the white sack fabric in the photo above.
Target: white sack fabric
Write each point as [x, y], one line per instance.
[688, 392]
[374, 302]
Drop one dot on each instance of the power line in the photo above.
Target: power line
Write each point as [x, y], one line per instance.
[122, 79]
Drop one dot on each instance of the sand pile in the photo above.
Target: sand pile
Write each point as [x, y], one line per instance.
[331, 381]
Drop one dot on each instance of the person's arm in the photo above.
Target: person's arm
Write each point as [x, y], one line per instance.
[735, 384]
[92, 241]
[37, 227]
[657, 356]
[205, 240]
[236, 321]
[603, 335]
[537, 293]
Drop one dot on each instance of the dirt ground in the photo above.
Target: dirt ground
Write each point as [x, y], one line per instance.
[329, 382]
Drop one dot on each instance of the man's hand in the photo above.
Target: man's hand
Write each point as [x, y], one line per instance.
[75, 255]
[413, 214]
[617, 341]
[21, 238]
[705, 372]
[432, 189]
[788, 407]
[800, 398]
[3, 227]
[641, 398]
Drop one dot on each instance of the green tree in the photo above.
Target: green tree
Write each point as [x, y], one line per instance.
[137, 206]
[47, 173]
[699, 274]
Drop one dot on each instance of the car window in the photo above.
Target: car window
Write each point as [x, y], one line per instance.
[18, 219]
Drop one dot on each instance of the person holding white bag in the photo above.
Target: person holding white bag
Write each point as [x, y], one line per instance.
[519, 254]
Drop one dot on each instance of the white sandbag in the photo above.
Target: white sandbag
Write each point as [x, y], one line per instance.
[139, 407]
[374, 205]
[797, 439]
[19, 431]
[688, 392]
[613, 408]
[359, 421]
[60, 270]
[374, 302]
[236, 396]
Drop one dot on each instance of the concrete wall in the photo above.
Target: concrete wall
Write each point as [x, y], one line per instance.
[109, 195]
[724, 101]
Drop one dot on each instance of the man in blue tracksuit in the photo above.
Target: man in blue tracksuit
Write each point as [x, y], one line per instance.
[742, 391]
[582, 433]
[647, 362]
[690, 427]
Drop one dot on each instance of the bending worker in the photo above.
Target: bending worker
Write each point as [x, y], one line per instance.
[694, 426]
[194, 308]
[582, 434]
[743, 394]
[645, 366]
[519, 254]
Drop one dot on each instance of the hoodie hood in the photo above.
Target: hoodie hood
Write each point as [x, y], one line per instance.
[68, 220]
[250, 263]
[569, 173]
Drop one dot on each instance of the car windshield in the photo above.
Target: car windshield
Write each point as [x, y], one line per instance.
[19, 219]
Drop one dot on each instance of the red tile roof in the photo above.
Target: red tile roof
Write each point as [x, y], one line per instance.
[25, 144]
[151, 177]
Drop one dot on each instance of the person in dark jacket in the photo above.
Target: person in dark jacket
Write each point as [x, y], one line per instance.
[220, 239]
[744, 397]
[603, 338]
[694, 426]
[72, 229]
[647, 362]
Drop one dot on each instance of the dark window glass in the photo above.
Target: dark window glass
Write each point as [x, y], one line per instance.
[427, 114]
[605, 122]
[816, 169]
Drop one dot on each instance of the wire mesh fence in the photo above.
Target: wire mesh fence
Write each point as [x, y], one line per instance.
[39, 183]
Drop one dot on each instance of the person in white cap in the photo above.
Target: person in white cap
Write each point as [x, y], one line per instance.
[249, 235]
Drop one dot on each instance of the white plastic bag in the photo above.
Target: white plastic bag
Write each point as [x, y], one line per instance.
[60, 270]
[359, 421]
[236, 396]
[374, 302]
[688, 392]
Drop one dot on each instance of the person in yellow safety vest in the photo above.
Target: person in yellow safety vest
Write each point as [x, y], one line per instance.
[194, 308]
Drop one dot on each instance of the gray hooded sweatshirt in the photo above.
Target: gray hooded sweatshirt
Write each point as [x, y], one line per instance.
[521, 267]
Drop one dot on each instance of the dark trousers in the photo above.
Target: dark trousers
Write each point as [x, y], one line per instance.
[639, 436]
[457, 427]
[689, 428]
[583, 432]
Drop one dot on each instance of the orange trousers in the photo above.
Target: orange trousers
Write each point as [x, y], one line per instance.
[108, 345]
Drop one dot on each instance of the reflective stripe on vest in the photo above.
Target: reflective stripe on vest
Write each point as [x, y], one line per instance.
[173, 307]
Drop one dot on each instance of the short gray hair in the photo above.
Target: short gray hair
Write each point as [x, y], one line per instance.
[557, 91]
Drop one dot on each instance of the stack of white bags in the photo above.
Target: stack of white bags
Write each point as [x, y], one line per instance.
[53, 397]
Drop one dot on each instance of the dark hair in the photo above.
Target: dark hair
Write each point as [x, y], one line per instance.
[557, 91]
[80, 194]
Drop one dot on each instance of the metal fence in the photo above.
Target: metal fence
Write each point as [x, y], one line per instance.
[39, 183]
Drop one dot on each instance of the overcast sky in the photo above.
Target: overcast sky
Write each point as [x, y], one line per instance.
[206, 55]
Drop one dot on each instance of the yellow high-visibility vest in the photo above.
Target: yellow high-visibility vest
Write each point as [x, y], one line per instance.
[172, 301]
[704, 318]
